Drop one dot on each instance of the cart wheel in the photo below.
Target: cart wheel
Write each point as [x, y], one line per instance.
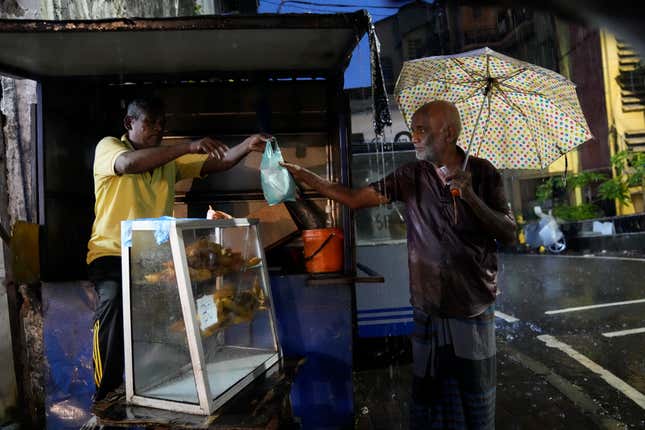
[558, 247]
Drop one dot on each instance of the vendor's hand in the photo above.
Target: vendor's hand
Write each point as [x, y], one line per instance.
[461, 181]
[257, 142]
[207, 145]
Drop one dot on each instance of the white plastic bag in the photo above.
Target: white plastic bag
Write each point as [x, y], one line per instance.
[277, 184]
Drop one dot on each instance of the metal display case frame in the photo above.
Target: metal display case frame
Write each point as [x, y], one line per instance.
[207, 403]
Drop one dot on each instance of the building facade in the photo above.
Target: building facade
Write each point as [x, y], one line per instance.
[624, 85]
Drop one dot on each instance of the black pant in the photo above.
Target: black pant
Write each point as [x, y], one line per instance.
[105, 273]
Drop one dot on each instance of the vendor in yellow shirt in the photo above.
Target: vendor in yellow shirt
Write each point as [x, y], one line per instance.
[134, 177]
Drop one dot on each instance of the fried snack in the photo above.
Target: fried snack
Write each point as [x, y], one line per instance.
[203, 254]
[206, 259]
[200, 275]
[178, 326]
[169, 275]
[253, 261]
[233, 306]
[166, 275]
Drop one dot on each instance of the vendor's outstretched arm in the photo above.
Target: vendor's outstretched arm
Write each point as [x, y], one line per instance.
[235, 154]
[354, 198]
[142, 160]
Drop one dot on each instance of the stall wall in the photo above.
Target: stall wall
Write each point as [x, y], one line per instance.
[315, 322]
[384, 309]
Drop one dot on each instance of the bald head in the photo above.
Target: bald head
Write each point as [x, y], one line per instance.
[435, 130]
[444, 113]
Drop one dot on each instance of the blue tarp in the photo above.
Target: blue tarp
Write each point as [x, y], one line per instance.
[68, 309]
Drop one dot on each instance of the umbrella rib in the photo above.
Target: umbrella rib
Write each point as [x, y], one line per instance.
[523, 92]
[472, 136]
[485, 129]
[469, 84]
[512, 105]
[547, 98]
[517, 90]
[469, 72]
[469, 95]
[527, 92]
[506, 78]
[464, 83]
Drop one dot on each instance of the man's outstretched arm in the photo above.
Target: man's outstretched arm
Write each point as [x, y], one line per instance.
[353, 198]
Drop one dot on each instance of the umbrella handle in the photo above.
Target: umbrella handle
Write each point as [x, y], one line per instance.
[455, 192]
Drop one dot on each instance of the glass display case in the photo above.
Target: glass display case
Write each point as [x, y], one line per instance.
[198, 319]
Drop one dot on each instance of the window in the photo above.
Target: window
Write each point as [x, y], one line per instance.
[635, 140]
[382, 224]
[631, 78]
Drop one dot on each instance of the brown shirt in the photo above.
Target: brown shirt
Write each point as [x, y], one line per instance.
[451, 256]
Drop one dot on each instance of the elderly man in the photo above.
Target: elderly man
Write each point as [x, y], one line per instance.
[134, 177]
[453, 267]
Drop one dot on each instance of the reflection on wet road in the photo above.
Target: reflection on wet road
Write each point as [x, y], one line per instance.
[583, 319]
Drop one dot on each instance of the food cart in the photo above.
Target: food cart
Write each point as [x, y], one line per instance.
[227, 76]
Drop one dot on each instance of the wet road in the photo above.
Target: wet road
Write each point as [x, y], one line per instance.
[580, 323]
[569, 352]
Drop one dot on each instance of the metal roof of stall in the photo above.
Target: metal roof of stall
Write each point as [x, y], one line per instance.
[296, 43]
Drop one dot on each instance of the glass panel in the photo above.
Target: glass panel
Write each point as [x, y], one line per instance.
[385, 223]
[161, 358]
[231, 302]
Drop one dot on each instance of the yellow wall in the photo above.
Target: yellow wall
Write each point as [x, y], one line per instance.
[573, 160]
[619, 121]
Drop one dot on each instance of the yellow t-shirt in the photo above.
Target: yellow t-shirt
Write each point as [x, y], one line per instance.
[132, 196]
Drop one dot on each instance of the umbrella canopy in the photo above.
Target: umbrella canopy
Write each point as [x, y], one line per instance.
[515, 114]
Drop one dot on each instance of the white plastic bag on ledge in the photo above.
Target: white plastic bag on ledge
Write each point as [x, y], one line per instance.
[604, 228]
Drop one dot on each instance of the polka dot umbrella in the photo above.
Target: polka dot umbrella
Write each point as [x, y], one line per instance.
[514, 114]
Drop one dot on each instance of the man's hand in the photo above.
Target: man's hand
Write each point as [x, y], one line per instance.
[207, 145]
[353, 198]
[299, 173]
[463, 182]
[256, 142]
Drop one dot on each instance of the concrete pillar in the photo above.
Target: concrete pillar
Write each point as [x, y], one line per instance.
[20, 147]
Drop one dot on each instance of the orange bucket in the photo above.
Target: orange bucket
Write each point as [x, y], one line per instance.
[323, 249]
